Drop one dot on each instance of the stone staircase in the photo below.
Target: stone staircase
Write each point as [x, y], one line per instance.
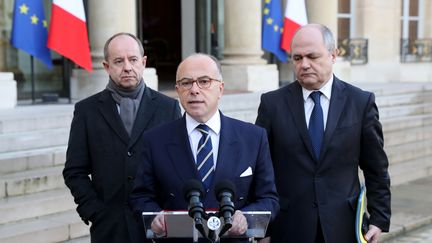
[35, 205]
[406, 116]
[405, 113]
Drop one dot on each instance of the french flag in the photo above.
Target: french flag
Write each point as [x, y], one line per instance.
[68, 32]
[295, 17]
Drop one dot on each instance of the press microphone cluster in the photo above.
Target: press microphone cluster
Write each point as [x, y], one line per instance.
[225, 192]
[194, 192]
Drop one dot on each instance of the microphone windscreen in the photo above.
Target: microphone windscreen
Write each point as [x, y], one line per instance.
[225, 186]
[193, 185]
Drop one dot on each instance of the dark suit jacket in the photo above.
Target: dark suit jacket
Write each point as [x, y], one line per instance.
[99, 146]
[329, 187]
[168, 164]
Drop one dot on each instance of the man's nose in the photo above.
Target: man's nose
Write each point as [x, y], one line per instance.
[194, 89]
[127, 66]
[305, 63]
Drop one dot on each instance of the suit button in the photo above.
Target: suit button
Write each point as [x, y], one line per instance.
[314, 204]
[129, 153]
[130, 178]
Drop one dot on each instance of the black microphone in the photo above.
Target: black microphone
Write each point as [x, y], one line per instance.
[225, 192]
[193, 192]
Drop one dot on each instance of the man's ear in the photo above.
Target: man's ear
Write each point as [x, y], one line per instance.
[105, 65]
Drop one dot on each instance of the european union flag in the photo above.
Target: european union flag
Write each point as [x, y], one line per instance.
[272, 27]
[29, 29]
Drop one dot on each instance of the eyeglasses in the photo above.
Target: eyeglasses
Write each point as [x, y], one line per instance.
[202, 82]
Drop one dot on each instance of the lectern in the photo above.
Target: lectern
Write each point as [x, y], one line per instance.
[178, 224]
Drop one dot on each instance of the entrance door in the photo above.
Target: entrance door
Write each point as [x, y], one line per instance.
[159, 28]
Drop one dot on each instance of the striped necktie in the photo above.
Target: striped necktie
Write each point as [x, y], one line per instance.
[205, 163]
[316, 124]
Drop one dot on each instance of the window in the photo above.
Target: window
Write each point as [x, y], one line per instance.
[414, 47]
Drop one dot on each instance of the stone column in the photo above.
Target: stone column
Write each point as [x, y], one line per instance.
[8, 90]
[104, 20]
[242, 66]
[323, 12]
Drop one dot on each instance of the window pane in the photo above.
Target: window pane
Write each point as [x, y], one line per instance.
[344, 6]
[413, 7]
[412, 30]
[343, 28]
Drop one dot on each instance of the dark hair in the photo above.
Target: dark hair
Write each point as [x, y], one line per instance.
[140, 46]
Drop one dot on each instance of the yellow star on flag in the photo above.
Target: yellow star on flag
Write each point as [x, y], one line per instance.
[266, 11]
[269, 21]
[34, 19]
[276, 27]
[23, 9]
[267, 1]
[45, 23]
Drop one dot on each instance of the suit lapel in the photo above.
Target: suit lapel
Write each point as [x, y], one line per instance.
[145, 113]
[295, 103]
[228, 150]
[180, 152]
[108, 109]
[337, 103]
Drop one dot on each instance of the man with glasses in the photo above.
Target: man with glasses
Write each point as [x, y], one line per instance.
[236, 151]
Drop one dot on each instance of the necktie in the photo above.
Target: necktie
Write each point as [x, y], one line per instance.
[205, 163]
[316, 124]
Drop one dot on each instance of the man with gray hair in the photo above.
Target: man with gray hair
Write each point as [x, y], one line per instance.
[321, 130]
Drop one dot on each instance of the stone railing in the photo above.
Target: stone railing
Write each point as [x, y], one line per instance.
[354, 50]
[419, 50]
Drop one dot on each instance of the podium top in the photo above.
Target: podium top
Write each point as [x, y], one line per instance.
[178, 224]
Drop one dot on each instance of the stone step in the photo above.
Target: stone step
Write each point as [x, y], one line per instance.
[15, 161]
[406, 122]
[408, 136]
[410, 170]
[409, 151]
[31, 181]
[83, 239]
[383, 89]
[405, 110]
[35, 205]
[56, 227]
[403, 99]
[35, 117]
[33, 140]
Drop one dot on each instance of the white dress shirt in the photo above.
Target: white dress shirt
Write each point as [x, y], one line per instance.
[324, 99]
[214, 123]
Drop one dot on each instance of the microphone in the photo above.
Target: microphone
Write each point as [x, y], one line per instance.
[225, 192]
[193, 192]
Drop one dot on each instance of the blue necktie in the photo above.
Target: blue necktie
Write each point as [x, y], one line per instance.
[316, 124]
[205, 163]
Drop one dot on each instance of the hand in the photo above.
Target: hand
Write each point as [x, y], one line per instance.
[265, 240]
[158, 225]
[373, 234]
[239, 224]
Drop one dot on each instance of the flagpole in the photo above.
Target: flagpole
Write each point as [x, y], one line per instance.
[32, 76]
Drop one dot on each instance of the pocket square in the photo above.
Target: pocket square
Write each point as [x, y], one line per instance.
[247, 172]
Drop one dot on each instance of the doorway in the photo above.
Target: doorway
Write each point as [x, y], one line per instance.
[159, 28]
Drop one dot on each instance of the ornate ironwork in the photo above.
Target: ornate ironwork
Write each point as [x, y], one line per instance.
[354, 50]
[419, 50]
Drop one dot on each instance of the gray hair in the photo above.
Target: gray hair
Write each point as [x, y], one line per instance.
[140, 46]
[326, 33]
[215, 60]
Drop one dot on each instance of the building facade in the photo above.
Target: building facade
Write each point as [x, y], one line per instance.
[379, 41]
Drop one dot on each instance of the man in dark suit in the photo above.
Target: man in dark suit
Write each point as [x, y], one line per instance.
[101, 159]
[239, 153]
[318, 145]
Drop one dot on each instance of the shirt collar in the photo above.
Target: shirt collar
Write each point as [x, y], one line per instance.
[325, 90]
[214, 123]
